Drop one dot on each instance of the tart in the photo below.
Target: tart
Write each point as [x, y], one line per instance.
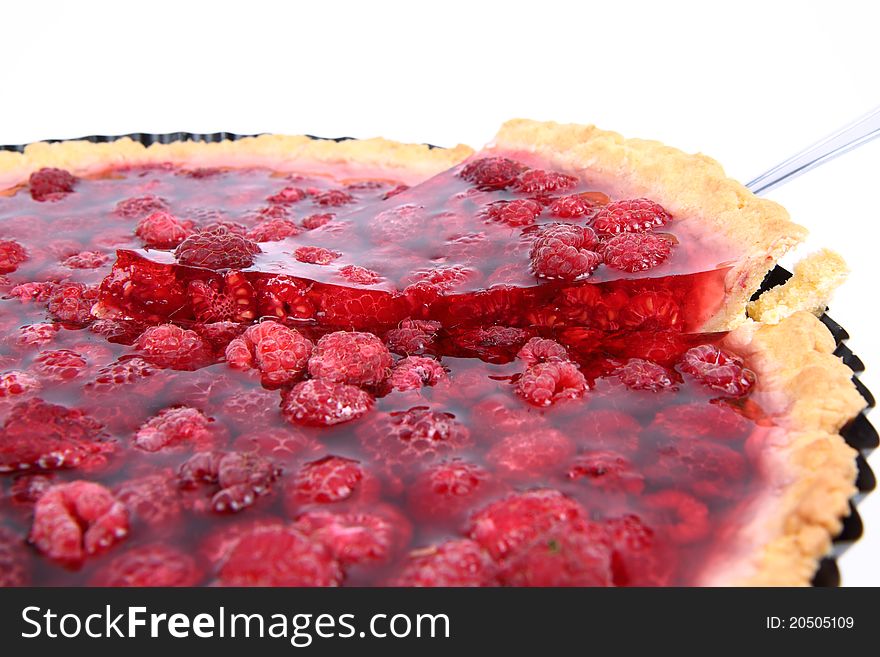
[290, 361]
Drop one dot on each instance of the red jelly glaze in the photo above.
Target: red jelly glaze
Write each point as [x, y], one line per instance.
[440, 274]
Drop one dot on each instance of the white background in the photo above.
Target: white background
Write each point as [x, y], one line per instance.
[748, 83]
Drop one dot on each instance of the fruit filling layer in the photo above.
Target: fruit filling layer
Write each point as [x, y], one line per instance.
[496, 377]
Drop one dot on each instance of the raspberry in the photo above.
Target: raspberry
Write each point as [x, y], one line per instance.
[414, 372]
[316, 255]
[16, 382]
[575, 206]
[457, 562]
[700, 420]
[399, 189]
[540, 183]
[50, 184]
[356, 538]
[36, 335]
[609, 472]
[28, 488]
[635, 558]
[283, 443]
[36, 291]
[170, 346]
[287, 196]
[12, 254]
[139, 286]
[240, 477]
[172, 427]
[349, 357]
[330, 480]
[233, 299]
[520, 212]
[418, 435]
[333, 198]
[491, 173]
[357, 308]
[322, 403]
[449, 490]
[317, 220]
[217, 249]
[162, 230]
[219, 334]
[708, 468]
[72, 303]
[541, 350]
[629, 216]
[718, 370]
[37, 434]
[516, 521]
[360, 275]
[77, 519]
[149, 565]
[13, 560]
[680, 517]
[564, 251]
[559, 558]
[141, 206]
[413, 336]
[123, 372]
[494, 415]
[86, 260]
[279, 556]
[442, 278]
[281, 354]
[273, 230]
[652, 311]
[281, 297]
[153, 499]
[61, 364]
[525, 455]
[399, 224]
[632, 252]
[607, 429]
[638, 374]
[547, 383]
[492, 344]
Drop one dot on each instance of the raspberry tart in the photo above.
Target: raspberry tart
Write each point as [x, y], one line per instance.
[282, 361]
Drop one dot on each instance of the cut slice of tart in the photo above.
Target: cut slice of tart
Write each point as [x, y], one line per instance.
[401, 365]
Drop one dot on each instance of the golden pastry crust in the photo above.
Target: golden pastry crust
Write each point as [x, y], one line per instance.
[693, 188]
[352, 159]
[808, 470]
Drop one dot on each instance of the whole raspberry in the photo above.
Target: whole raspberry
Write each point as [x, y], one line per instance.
[330, 480]
[637, 557]
[718, 370]
[680, 517]
[708, 468]
[153, 499]
[540, 183]
[609, 472]
[16, 382]
[217, 249]
[14, 559]
[360, 275]
[632, 252]
[86, 260]
[541, 350]
[38, 291]
[413, 336]
[175, 427]
[50, 184]
[333, 198]
[37, 335]
[547, 383]
[520, 212]
[458, 562]
[162, 230]
[273, 230]
[356, 538]
[317, 220]
[72, 303]
[124, 372]
[491, 173]
[281, 354]
[149, 565]
[629, 216]
[514, 522]
[559, 558]
[240, 478]
[288, 195]
[639, 374]
[525, 455]
[574, 206]
[443, 278]
[140, 206]
[279, 556]
[701, 420]
[316, 255]
[322, 403]
[449, 490]
[414, 372]
[607, 429]
[360, 359]
[170, 346]
[501, 414]
[492, 344]
[60, 364]
[279, 444]
[564, 251]
[12, 254]
[77, 519]
[37, 434]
